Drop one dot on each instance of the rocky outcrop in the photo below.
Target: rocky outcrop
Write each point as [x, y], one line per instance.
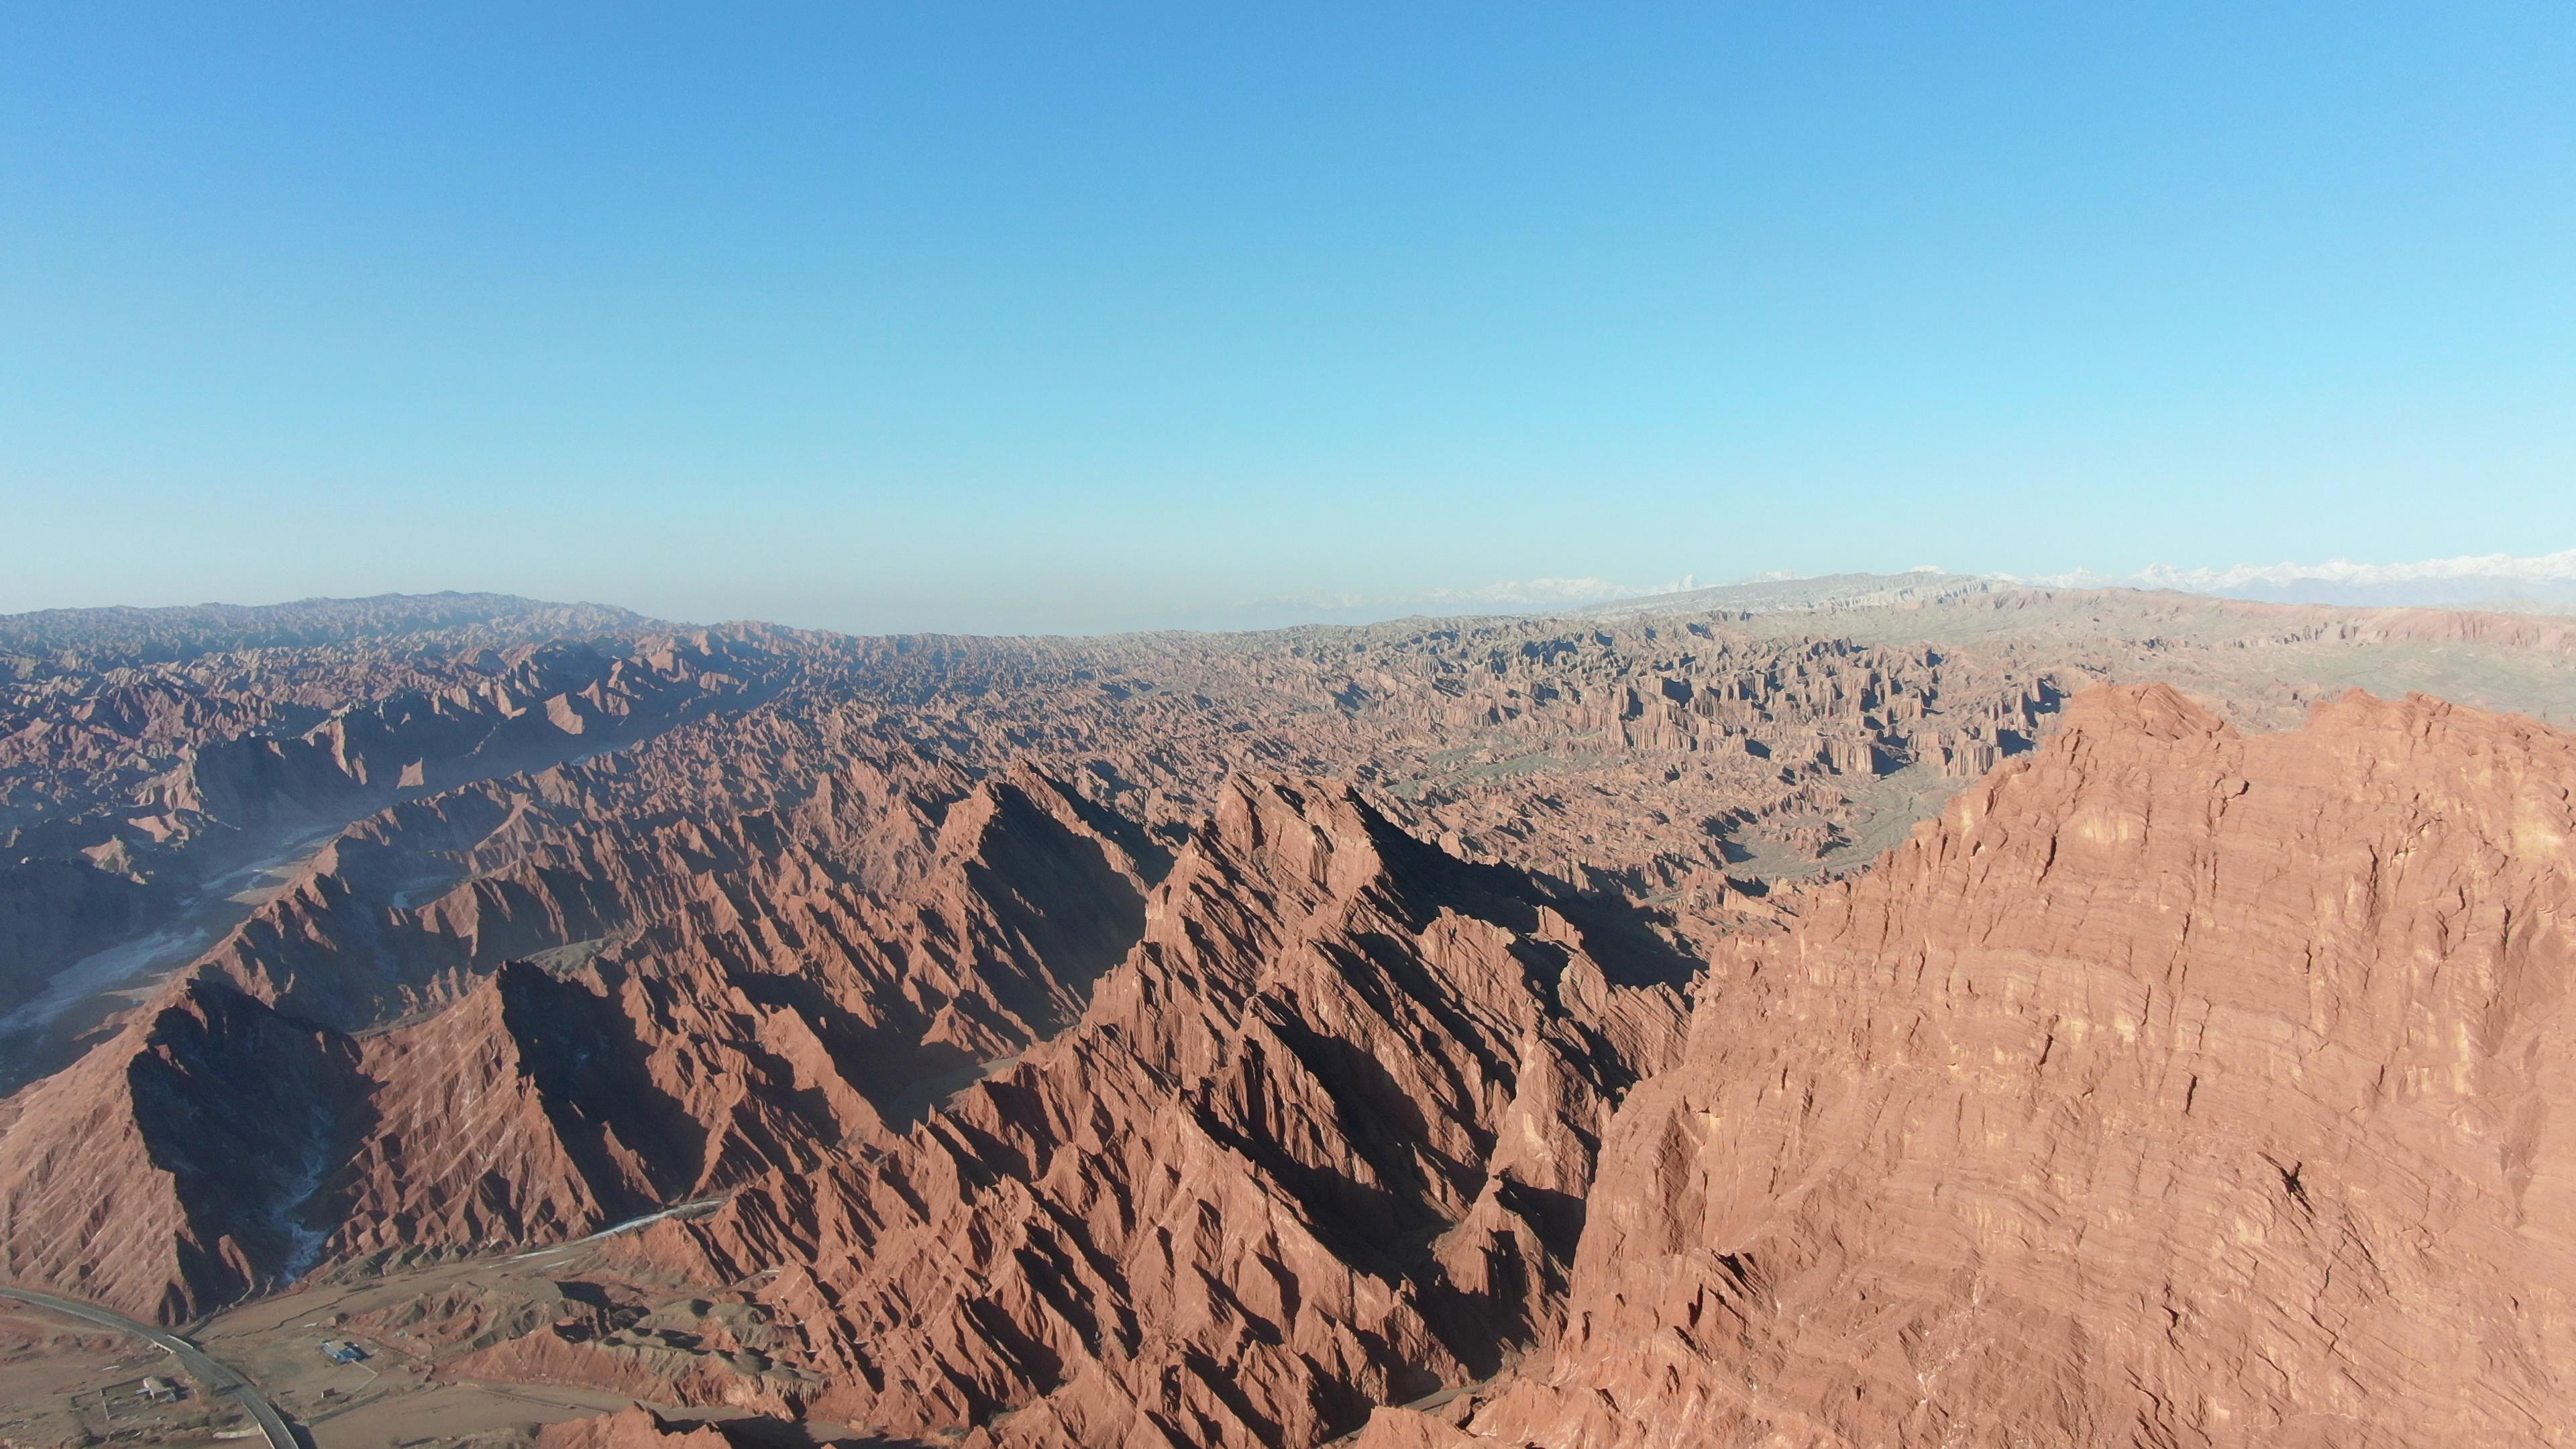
[164, 1173]
[531, 707]
[1702, 756]
[771, 1022]
[1322, 1140]
[2175, 1087]
[136, 808]
[986, 906]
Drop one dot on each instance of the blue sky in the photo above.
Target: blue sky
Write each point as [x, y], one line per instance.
[995, 317]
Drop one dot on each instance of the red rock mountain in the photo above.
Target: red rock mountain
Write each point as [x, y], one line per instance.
[774, 1015]
[1182, 1041]
[1321, 1141]
[2175, 1087]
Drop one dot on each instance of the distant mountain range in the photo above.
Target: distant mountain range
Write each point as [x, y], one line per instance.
[2544, 584]
[2540, 584]
[2548, 581]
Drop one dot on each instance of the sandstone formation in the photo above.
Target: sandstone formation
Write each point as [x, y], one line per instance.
[1649, 755]
[135, 806]
[769, 1020]
[1445, 1032]
[1321, 1141]
[2176, 1087]
[160, 1174]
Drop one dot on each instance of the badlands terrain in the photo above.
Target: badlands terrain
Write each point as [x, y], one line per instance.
[1908, 1011]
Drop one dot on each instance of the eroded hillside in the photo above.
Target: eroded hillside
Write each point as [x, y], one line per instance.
[1220, 1039]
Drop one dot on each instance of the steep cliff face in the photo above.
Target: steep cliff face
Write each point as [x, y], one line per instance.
[2173, 1088]
[1322, 1140]
[1690, 756]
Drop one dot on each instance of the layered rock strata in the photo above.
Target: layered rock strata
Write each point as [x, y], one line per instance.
[2176, 1087]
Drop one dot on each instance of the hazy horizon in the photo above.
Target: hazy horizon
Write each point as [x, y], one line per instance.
[2545, 583]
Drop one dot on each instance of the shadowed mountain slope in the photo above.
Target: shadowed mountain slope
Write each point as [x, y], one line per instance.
[1321, 1141]
[758, 1008]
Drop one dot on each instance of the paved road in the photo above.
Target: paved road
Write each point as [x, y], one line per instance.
[213, 1376]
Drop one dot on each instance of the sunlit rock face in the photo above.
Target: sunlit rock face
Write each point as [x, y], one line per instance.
[2175, 1087]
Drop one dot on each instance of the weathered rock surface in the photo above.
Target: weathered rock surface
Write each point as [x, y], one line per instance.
[1205, 1040]
[1321, 1141]
[175, 754]
[767, 1021]
[2176, 1087]
[161, 1173]
[137, 803]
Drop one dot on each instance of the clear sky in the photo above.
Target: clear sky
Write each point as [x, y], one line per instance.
[995, 317]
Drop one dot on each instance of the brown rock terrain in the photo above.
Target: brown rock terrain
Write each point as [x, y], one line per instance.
[1224, 1039]
[2176, 1087]
[1321, 1141]
[135, 804]
[809, 832]
[765, 1022]
[1648, 755]
[160, 1174]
